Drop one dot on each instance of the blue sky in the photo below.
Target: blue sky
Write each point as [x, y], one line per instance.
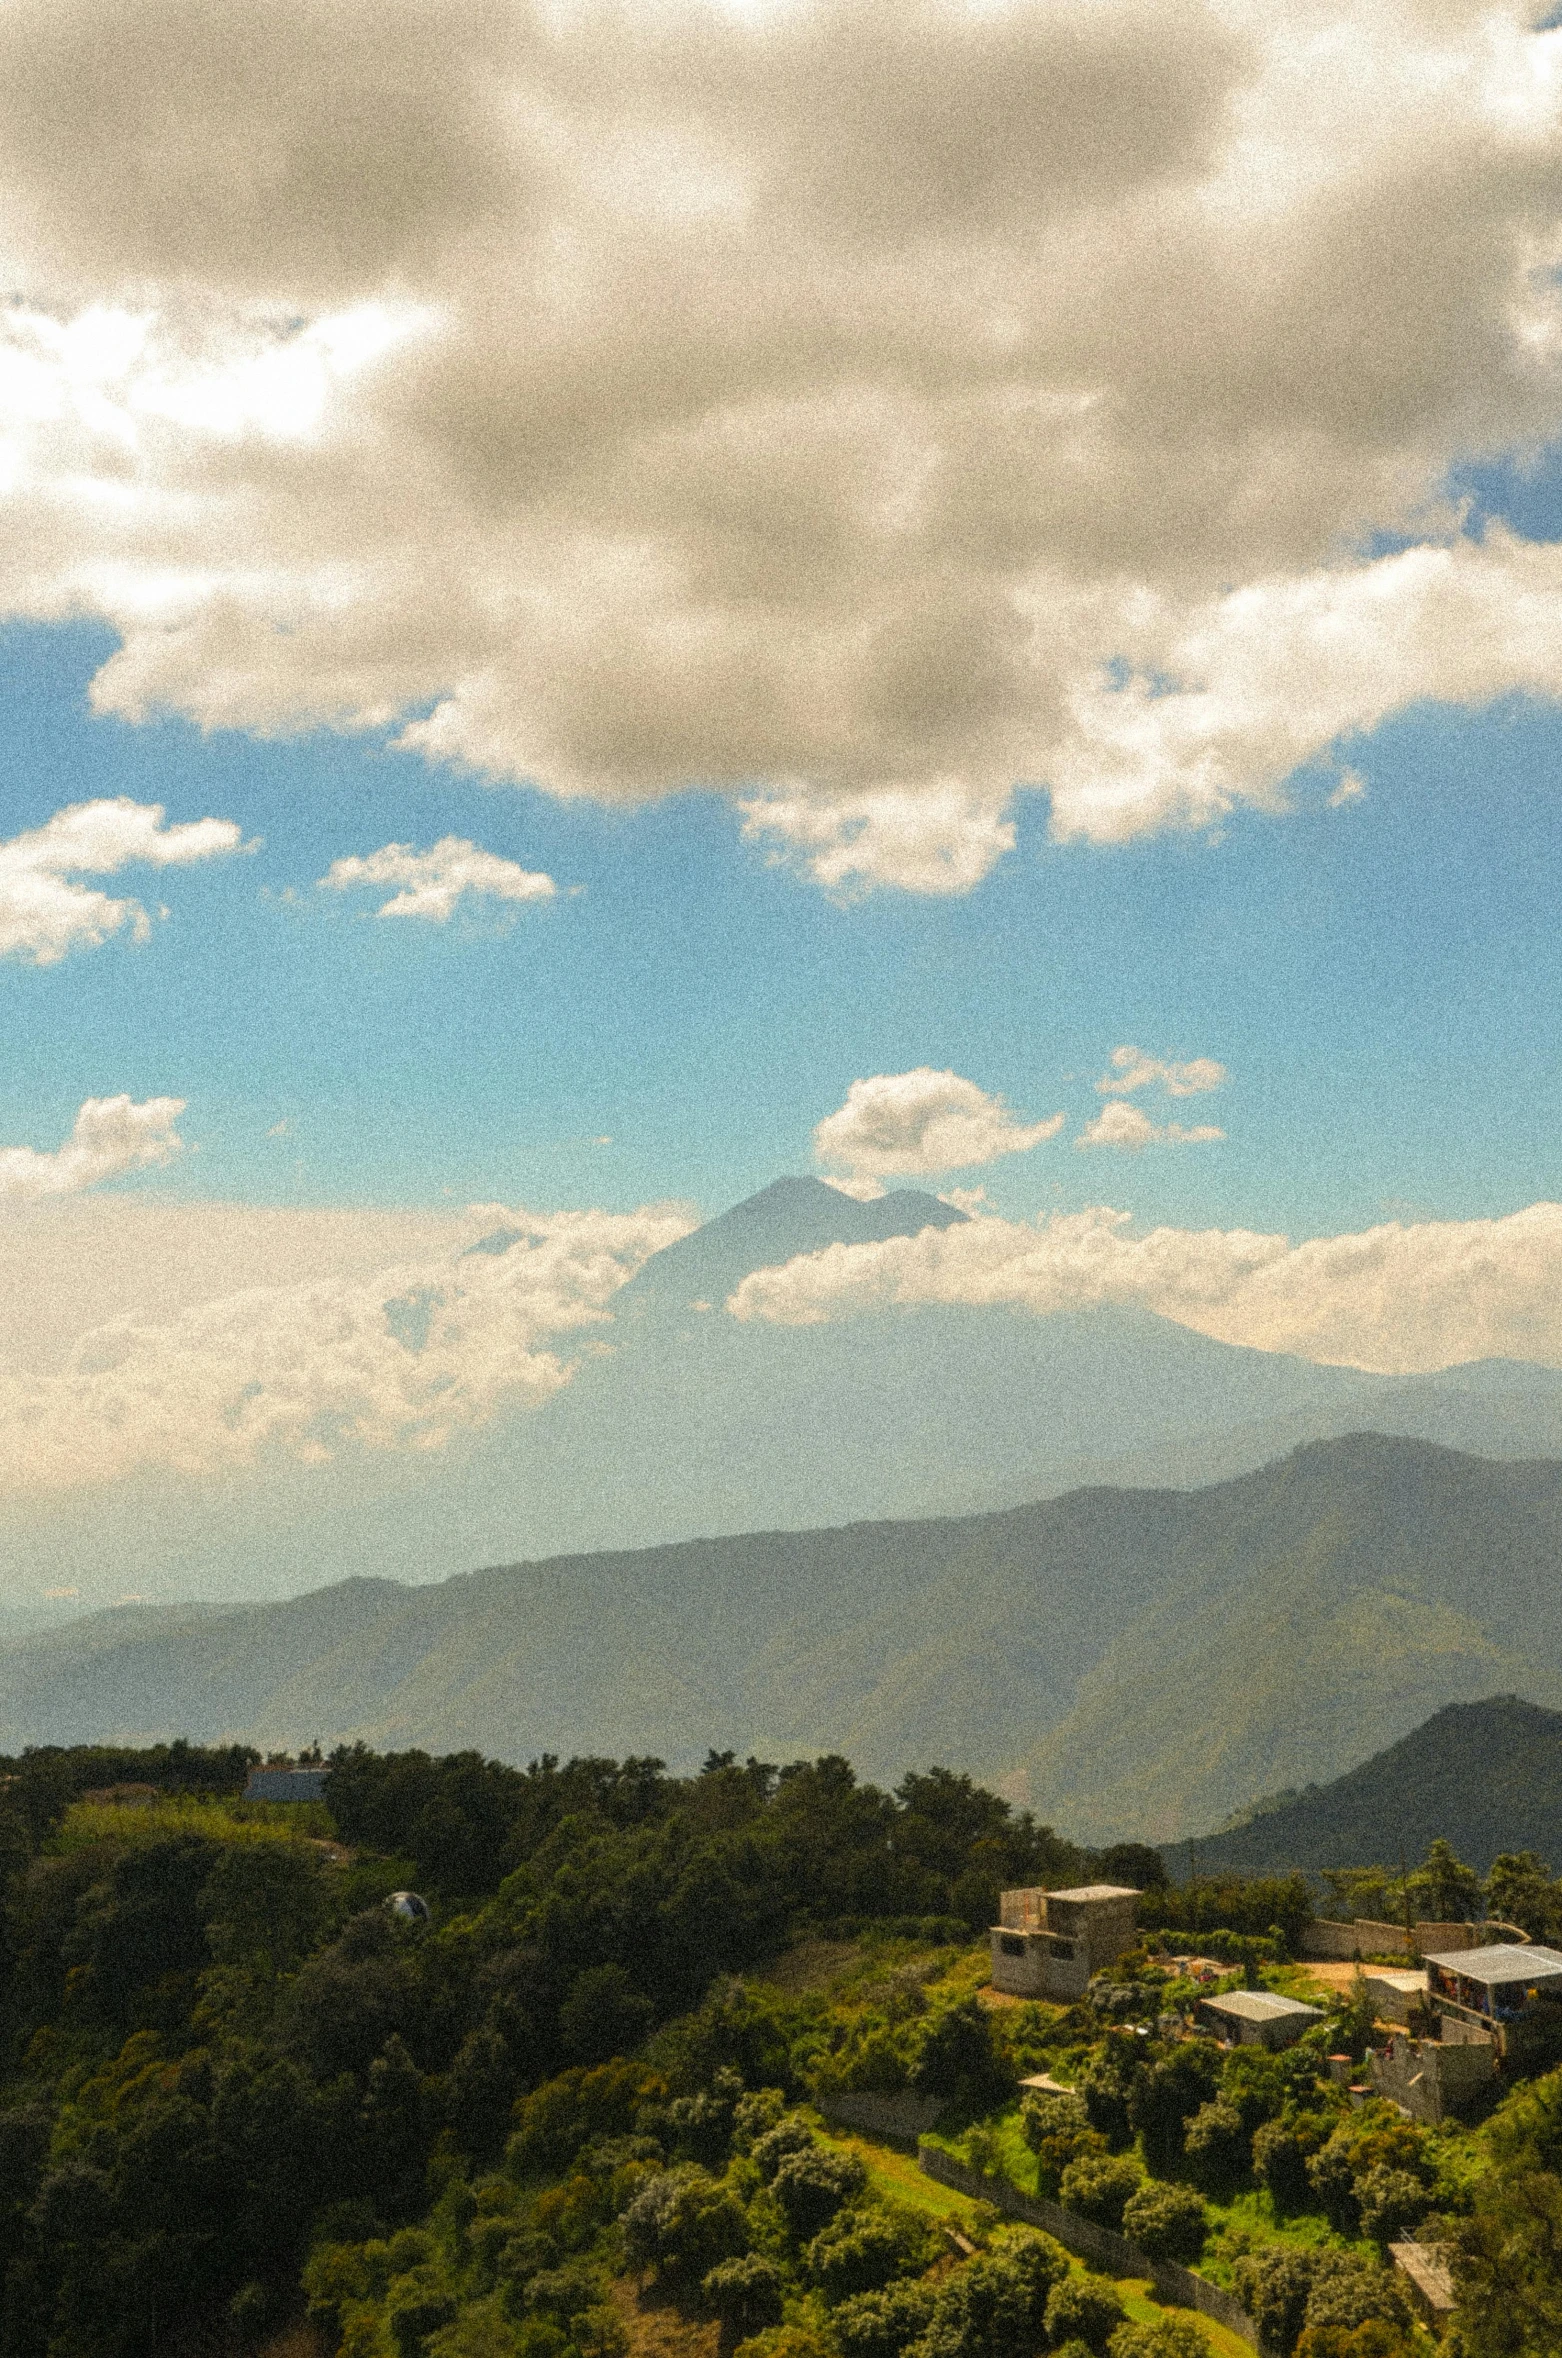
[1380, 980]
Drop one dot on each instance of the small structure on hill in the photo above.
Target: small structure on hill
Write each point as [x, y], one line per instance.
[410, 1906]
[1490, 1989]
[1434, 2079]
[1395, 1991]
[1423, 2269]
[1048, 1944]
[279, 1780]
[1257, 2018]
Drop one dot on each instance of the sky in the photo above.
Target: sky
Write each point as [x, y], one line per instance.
[602, 604]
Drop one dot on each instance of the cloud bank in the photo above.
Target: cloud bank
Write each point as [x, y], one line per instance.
[404, 1359]
[865, 410]
[917, 1125]
[433, 882]
[1396, 1299]
[110, 1136]
[45, 913]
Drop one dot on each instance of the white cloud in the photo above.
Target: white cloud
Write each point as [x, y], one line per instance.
[405, 1358]
[433, 882]
[910, 403]
[1130, 1068]
[44, 913]
[1130, 1129]
[109, 1137]
[1399, 1298]
[917, 1124]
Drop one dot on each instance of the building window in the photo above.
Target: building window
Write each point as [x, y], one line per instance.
[1011, 1944]
[1063, 1950]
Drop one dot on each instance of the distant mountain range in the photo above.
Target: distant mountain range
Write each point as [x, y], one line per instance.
[1132, 1662]
[689, 1424]
[1486, 1776]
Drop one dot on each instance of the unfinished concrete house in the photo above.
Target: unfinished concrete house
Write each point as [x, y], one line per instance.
[1048, 1944]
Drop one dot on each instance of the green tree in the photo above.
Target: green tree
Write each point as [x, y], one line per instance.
[1085, 2308]
[682, 2224]
[1169, 2221]
[1443, 1888]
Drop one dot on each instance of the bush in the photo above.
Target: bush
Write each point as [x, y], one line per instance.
[1347, 2291]
[1165, 2095]
[1169, 2221]
[1372, 2340]
[812, 2184]
[881, 2324]
[1280, 2163]
[683, 2223]
[772, 2146]
[1099, 2185]
[1087, 2307]
[745, 2293]
[995, 2304]
[959, 2057]
[755, 2115]
[1217, 2145]
[863, 2250]
[1391, 2202]
[1168, 2337]
[1273, 2285]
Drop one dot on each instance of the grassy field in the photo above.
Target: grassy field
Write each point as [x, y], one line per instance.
[87, 1822]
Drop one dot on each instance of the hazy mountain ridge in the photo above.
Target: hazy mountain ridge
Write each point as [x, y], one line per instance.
[1486, 1776]
[1130, 1661]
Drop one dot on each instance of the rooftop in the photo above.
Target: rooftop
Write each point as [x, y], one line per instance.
[1261, 2006]
[1097, 1891]
[1502, 1963]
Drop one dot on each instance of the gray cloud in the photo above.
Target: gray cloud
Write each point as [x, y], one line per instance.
[807, 403]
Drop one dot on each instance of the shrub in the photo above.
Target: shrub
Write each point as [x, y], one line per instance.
[1347, 2291]
[813, 2183]
[1099, 2185]
[862, 2250]
[1216, 2144]
[1087, 2307]
[1372, 2340]
[683, 2223]
[1280, 2163]
[1391, 2202]
[745, 2293]
[1273, 2285]
[881, 2324]
[1168, 2092]
[1169, 2221]
[995, 2304]
[771, 2148]
[755, 2115]
[1168, 2337]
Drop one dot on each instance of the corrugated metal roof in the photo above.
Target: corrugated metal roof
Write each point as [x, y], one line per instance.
[1503, 1962]
[1260, 2005]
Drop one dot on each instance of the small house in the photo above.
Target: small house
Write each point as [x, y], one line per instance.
[1049, 1944]
[1257, 2018]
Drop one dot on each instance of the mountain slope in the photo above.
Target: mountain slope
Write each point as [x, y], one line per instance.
[1129, 1661]
[1487, 1776]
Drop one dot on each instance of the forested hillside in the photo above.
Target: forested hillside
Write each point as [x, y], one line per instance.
[253, 2100]
[1136, 1662]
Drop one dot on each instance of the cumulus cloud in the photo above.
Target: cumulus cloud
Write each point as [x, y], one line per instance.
[45, 912]
[405, 1358]
[1395, 1299]
[109, 1137]
[867, 410]
[1130, 1068]
[1130, 1129]
[433, 882]
[917, 1124]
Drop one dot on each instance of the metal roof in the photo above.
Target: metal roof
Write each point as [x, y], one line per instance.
[1097, 1891]
[1504, 1962]
[1260, 2005]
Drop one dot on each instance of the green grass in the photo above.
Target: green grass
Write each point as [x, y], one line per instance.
[897, 2176]
[88, 1822]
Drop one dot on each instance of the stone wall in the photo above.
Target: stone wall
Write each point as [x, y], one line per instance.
[899, 2119]
[1115, 2255]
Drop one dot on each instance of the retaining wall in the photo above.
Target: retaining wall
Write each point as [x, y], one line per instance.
[899, 2119]
[1115, 2255]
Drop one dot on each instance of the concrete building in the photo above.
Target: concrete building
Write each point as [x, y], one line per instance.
[1257, 2018]
[1489, 1989]
[279, 1781]
[1049, 1944]
[1434, 2079]
[1394, 1991]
